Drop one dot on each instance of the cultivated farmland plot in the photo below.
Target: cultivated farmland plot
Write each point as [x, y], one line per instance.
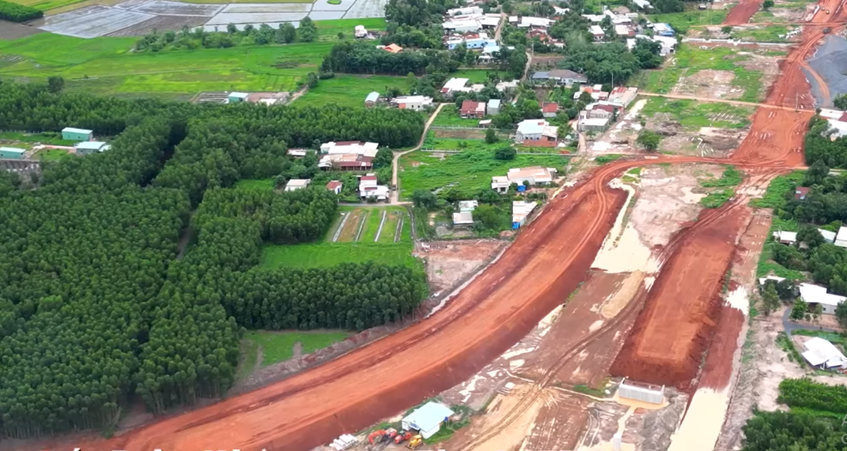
[366, 8]
[252, 8]
[178, 9]
[93, 21]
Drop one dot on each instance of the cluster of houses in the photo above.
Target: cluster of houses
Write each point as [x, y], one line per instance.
[597, 116]
[521, 210]
[416, 103]
[345, 156]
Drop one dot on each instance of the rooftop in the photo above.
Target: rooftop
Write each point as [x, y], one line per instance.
[463, 218]
[429, 416]
[822, 352]
[76, 130]
[817, 294]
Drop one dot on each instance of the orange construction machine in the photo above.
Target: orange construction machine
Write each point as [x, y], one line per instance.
[403, 436]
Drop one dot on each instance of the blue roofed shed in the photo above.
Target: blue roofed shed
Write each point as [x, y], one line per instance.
[427, 419]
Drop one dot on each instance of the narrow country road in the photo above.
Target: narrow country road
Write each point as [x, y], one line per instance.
[395, 178]
[707, 99]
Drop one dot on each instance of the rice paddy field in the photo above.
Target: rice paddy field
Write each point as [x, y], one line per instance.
[106, 66]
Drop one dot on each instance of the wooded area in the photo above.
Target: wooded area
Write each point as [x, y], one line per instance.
[96, 306]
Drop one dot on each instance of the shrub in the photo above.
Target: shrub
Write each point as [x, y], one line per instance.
[18, 13]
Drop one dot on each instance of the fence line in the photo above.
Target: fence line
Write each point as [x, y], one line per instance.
[520, 152]
[505, 131]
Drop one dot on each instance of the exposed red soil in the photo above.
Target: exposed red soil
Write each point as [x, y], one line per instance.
[675, 327]
[742, 12]
[559, 425]
[718, 367]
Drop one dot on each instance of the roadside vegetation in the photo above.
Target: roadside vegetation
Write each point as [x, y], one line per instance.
[693, 115]
[720, 191]
[279, 346]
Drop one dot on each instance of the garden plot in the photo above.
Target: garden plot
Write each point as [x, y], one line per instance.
[322, 5]
[166, 8]
[10, 30]
[366, 8]
[93, 21]
[267, 8]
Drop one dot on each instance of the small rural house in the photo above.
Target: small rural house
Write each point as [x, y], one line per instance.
[827, 235]
[841, 238]
[821, 353]
[335, 186]
[549, 109]
[596, 32]
[368, 188]
[534, 175]
[592, 125]
[77, 134]
[801, 192]
[295, 184]
[346, 162]
[468, 205]
[567, 77]
[372, 99]
[816, 295]
[520, 211]
[393, 48]
[11, 153]
[427, 419]
[785, 237]
[367, 149]
[663, 29]
[472, 109]
[463, 219]
[537, 132]
[412, 102]
[493, 107]
[237, 97]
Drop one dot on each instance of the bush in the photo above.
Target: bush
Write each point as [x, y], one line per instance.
[18, 13]
[505, 153]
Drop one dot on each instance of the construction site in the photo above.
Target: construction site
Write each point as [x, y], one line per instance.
[614, 321]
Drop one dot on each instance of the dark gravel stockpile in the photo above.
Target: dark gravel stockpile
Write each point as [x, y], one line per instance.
[830, 62]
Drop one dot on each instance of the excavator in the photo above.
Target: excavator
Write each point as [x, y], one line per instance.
[415, 442]
[403, 436]
[381, 436]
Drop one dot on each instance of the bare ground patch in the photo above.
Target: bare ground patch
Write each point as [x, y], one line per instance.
[160, 23]
[708, 83]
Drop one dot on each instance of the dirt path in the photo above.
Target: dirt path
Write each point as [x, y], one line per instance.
[742, 12]
[713, 100]
[395, 175]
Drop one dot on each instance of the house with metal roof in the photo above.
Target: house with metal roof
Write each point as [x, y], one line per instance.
[76, 134]
[372, 99]
[427, 419]
[90, 147]
[817, 295]
[821, 353]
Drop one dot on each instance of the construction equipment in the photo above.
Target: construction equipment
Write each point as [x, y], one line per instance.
[416, 442]
[376, 436]
[390, 433]
[402, 437]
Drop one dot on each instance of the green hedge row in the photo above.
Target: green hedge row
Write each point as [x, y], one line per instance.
[18, 13]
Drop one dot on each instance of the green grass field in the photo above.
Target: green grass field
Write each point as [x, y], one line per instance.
[690, 59]
[51, 155]
[469, 172]
[350, 90]
[279, 346]
[682, 21]
[33, 138]
[771, 33]
[45, 5]
[476, 75]
[449, 117]
[106, 66]
[693, 115]
[328, 29]
[255, 184]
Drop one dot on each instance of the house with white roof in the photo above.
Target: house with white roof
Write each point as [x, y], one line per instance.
[467, 11]
[841, 237]
[454, 84]
[296, 184]
[520, 211]
[368, 188]
[534, 175]
[416, 103]
[537, 132]
[463, 219]
[597, 32]
[468, 205]
[367, 149]
[493, 107]
[827, 235]
[535, 22]
[643, 4]
[817, 295]
[821, 353]
[785, 237]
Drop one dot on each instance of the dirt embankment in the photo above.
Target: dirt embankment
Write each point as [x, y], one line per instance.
[742, 12]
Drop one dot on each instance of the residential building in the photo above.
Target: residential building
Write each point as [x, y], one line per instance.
[537, 132]
[77, 134]
[597, 32]
[467, 11]
[463, 219]
[595, 91]
[595, 125]
[493, 107]
[506, 85]
[412, 102]
[472, 109]
[801, 192]
[643, 4]
[462, 25]
[11, 153]
[296, 184]
[623, 95]
[539, 22]
[345, 162]
[467, 205]
[602, 109]
[454, 84]
[472, 44]
[367, 149]
[841, 238]
[368, 188]
[567, 77]
[535, 175]
[427, 419]
[298, 153]
[393, 48]
[785, 237]
[540, 33]
[560, 11]
[335, 186]
[668, 43]
[520, 212]
[500, 183]
[372, 99]
[624, 31]
[359, 31]
[821, 353]
[549, 109]
[594, 18]
[540, 77]
[89, 147]
[815, 295]
[663, 29]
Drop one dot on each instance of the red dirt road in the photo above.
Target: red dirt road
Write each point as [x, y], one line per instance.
[742, 12]
[539, 271]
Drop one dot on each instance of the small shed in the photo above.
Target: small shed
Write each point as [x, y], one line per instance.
[295, 184]
[468, 205]
[335, 186]
[494, 107]
[237, 97]
[76, 134]
[89, 147]
[11, 153]
[427, 419]
[785, 237]
[372, 99]
[463, 219]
